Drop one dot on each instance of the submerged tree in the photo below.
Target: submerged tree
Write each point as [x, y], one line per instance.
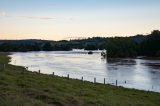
[121, 47]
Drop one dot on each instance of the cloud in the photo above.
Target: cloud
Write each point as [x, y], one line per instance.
[4, 14]
[38, 17]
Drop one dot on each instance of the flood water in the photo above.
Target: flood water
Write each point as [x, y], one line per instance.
[131, 73]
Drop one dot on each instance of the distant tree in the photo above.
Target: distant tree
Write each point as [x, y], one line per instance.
[47, 47]
[90, 47]
[158, 53]
[151, 45]
[121, 47]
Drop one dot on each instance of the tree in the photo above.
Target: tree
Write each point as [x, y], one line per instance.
[47, 47]
[121, 47]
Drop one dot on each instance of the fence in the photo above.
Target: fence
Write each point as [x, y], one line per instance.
[104, 81]
[94, 80]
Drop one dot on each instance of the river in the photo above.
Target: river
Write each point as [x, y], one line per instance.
[130, 73]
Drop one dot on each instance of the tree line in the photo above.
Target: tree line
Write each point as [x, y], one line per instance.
[139, 45]
[63, 45]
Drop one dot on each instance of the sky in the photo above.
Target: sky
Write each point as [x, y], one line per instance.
[63, 19]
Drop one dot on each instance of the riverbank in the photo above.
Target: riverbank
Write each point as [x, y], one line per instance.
[21, 87]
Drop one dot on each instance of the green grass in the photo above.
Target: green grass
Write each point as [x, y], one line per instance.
[19, 87]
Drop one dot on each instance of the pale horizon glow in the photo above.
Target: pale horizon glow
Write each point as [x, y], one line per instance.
[60, 19]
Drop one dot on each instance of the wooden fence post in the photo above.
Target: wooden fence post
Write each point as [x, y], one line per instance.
[104, 81]
[4, 67]
[68, 76]
[116, 82]
[53, 73]
[82, 78]
[94, 80]
[27, 68]
[39, 71]
[1, 67]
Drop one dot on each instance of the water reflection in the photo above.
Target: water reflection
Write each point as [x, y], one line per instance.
[131, 73]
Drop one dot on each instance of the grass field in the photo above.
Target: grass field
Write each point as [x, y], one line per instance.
[19, 87]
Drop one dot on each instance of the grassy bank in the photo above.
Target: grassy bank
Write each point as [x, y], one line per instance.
[19, 87]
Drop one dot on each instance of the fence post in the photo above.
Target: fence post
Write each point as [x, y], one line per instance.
[4, 67]
[39, 71]
[116, 82]
[94, 80]
[1, 67]
[27, 68]
[68, 76]
[82, 78]
[104, 81]
[53, 73]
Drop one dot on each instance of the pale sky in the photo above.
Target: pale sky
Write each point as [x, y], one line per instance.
[59, 19]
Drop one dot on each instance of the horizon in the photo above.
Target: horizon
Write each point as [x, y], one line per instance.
[60, 19]
[81, 38]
